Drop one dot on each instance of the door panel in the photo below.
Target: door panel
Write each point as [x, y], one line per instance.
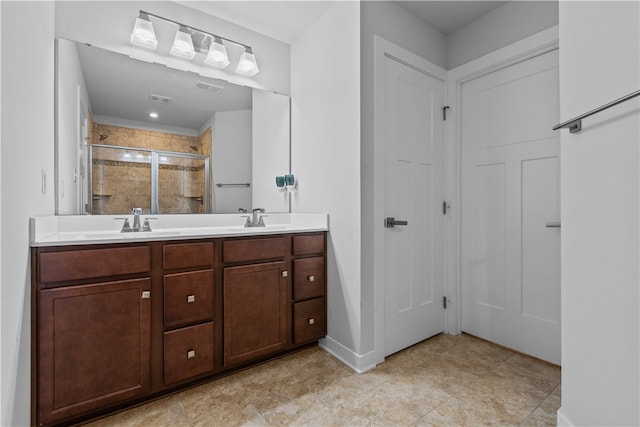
[414, 183]
[510, 264]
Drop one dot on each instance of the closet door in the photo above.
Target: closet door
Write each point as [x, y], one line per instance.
[510, 257]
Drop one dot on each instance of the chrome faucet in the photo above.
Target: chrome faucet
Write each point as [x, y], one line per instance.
[127, 228]
[257, 219]
[136, 219]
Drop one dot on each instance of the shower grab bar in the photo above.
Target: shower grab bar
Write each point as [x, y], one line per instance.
[245, 184]
[575, 125]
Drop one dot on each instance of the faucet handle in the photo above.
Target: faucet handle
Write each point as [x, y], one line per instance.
[146, 226]
[247, 222]
[126, 227]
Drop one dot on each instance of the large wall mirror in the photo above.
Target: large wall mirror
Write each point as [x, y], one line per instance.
[136, 134]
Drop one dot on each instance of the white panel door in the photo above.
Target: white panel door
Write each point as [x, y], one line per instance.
[414, 191]
[510, 252]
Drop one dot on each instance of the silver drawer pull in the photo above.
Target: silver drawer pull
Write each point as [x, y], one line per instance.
[191, 298]
[285, 273]
[311, 321]
[191, 354]
[146, 294]
[311, 278]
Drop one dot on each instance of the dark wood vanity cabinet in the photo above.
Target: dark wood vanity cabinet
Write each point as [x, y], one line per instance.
[93, 333]
[115, 325]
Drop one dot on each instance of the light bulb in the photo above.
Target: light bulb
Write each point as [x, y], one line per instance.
[217, 55]
[143, 34]
[183, 45]
[247, 65]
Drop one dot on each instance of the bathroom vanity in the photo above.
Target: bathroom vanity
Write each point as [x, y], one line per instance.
[121, 320]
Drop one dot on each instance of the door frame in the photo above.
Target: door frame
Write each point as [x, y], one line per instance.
[530, 47]
[384, 48]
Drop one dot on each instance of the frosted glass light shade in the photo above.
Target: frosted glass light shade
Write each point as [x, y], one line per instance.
[143, 34]
[247, 65]
[183, 45]
[217, 55]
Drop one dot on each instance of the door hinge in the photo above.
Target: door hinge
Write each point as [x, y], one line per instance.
[445, 207]
[444, 302]
[444, 112]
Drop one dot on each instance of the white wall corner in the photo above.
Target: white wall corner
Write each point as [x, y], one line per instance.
[360, 363]
[562, 420]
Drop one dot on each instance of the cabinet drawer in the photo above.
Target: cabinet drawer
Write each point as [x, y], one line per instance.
[306, 245]
[188, 352]
[187, 255]
[188, 298]
[92, 263]
[308, 278]
[309, 322]
[254, 249]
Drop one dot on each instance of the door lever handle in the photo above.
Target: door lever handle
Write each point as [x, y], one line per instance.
[390, 222]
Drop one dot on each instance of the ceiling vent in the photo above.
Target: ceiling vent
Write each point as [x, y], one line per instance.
[159, 99]
[209, 87]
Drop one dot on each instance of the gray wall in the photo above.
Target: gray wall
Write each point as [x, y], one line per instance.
[502, 26]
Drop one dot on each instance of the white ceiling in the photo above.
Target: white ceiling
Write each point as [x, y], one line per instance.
[286, 20]
[448, 16]
[283, 20]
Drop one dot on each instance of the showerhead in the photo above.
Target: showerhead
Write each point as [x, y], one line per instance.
[103, 136]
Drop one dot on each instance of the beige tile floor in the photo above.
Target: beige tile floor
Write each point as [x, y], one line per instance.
[444, 381]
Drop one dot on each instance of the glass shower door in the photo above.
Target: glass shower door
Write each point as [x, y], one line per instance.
[183, 183]
[120, 179]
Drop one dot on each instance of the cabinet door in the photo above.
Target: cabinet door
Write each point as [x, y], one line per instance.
[94, 345]
[255, 311]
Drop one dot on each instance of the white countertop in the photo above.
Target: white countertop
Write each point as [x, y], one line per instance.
[101, 229]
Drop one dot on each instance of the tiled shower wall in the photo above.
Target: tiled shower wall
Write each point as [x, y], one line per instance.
[120, 185]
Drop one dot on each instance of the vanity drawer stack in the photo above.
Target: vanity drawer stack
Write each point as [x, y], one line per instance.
[309, 288]
[188, 297]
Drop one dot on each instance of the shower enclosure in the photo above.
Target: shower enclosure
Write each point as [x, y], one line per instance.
[159, 182]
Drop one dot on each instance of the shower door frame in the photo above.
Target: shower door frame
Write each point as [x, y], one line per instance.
[155, 166]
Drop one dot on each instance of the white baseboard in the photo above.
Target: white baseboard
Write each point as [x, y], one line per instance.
[562, 420]
[360, 363]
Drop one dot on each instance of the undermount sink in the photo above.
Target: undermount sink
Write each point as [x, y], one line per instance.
[242, 228]
[131, 235]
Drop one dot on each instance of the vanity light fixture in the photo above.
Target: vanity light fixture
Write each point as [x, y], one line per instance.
[143, 34]
[189, 40]
[247, 65]
[217, 55]
[183, 44]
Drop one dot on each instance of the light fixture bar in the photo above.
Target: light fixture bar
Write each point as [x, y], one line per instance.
[179, 24]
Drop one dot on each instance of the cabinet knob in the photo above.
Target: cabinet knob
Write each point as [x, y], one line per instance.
[311, 321]
[191, 298]
[191, 354]
[311, 278]
[285, 273]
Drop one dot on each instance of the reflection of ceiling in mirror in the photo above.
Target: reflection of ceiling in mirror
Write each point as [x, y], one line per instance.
[120, 87]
